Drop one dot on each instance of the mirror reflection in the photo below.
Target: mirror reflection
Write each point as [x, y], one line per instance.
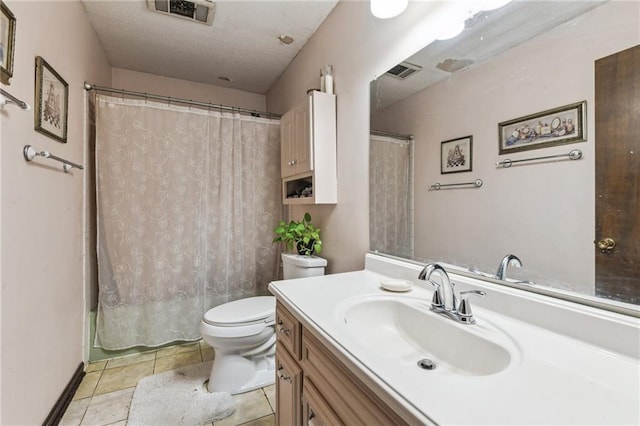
[504, 66]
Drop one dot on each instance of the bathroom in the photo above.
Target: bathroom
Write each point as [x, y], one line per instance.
[45, 264]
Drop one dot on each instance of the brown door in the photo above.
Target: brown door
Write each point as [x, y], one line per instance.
[617, 109]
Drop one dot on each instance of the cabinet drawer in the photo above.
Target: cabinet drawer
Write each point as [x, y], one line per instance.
[315, 410]
[288, 331]
[349, 398]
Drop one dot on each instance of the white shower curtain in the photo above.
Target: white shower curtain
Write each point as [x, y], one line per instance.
[391, 196]
[187, 200]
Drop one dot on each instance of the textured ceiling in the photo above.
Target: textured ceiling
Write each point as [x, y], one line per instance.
[486, 35]
[242, 44]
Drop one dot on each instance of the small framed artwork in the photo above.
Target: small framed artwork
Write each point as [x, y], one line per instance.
[552, 127]
[456, 155]
[7, 42]
[52, 101]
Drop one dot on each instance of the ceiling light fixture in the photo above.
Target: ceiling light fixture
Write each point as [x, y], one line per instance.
[385, 9]
[494, 4]
[462, 15]
[451, 32]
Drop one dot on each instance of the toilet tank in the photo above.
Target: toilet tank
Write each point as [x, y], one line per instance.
[298, 266]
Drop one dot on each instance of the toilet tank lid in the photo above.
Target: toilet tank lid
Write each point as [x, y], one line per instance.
[305, 261]
[242, 311]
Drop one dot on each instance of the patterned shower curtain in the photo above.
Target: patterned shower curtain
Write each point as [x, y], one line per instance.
[391, 196]
[187, 200]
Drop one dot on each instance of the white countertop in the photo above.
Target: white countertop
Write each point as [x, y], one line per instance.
[552, 379]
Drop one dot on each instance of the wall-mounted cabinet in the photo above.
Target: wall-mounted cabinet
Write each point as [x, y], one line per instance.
[308, 151]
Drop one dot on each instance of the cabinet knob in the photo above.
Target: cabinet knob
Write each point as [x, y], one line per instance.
[292, 163]
[281, 376]
[606, 245]
[286, 331]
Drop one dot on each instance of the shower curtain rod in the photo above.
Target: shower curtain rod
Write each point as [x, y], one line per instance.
[252, 112]
[392, 135]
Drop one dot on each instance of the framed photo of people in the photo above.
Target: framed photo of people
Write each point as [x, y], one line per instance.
[52, 102]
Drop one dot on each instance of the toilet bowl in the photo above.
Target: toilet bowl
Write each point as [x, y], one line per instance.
[243, 337]
[242, 334]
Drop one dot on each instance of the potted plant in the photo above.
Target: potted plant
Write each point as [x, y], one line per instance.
[303, 235]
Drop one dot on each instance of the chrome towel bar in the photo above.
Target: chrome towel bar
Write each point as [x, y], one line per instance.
[30, 153]
[574, 154]
[8, 98]
[476, 183]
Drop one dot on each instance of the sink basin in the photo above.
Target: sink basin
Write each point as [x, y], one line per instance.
[405, 330]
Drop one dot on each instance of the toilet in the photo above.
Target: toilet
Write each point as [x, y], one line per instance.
[242, 333]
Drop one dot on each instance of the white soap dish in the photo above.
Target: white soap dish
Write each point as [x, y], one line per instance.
[396, 285]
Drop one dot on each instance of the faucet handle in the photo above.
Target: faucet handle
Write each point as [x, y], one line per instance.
[464, 310]
[436, 300]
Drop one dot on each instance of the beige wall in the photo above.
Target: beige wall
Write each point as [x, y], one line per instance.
[360, 47]
[42, 215]
[544, 213]
[149, 83]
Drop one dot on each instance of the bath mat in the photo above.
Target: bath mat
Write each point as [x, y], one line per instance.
[178, 397]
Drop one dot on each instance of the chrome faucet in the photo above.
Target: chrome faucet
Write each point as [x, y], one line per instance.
[444, 298]
[509, 259]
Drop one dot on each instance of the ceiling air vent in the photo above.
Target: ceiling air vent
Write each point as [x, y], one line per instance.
[195, 10]
[403, 70]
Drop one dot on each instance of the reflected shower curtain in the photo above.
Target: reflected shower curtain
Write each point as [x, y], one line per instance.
[391, 195]
[187, 200]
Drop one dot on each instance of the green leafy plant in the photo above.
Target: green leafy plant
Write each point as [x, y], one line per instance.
[302, 235]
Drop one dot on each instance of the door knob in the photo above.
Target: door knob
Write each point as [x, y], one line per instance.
[606, 244]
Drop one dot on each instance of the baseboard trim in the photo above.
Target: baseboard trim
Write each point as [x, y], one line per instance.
[56, 413]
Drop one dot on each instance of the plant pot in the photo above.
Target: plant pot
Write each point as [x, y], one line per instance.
[306, 249]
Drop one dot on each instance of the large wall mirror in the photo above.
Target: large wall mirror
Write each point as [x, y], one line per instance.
[518, 61]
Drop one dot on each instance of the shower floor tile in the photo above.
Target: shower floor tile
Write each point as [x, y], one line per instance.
[104, 396]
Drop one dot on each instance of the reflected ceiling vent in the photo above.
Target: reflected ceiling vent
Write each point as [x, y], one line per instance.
[403, 70]
[196, 10]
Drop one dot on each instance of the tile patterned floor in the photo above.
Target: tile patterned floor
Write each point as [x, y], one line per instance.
[104, 396]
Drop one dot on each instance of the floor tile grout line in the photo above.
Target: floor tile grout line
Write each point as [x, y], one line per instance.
[268, 402]
[155, 360]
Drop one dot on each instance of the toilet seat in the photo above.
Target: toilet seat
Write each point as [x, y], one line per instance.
[243, 317]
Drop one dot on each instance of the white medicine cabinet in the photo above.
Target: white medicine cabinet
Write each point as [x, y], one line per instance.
[308, 151]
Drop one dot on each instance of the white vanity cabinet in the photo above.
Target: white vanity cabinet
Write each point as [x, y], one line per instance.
[308, 151]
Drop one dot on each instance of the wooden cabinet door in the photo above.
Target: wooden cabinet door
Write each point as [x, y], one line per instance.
[295, 140]
[617, 110]
[302, 137]
[286, 144]
[288, 389]
[288, 331]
